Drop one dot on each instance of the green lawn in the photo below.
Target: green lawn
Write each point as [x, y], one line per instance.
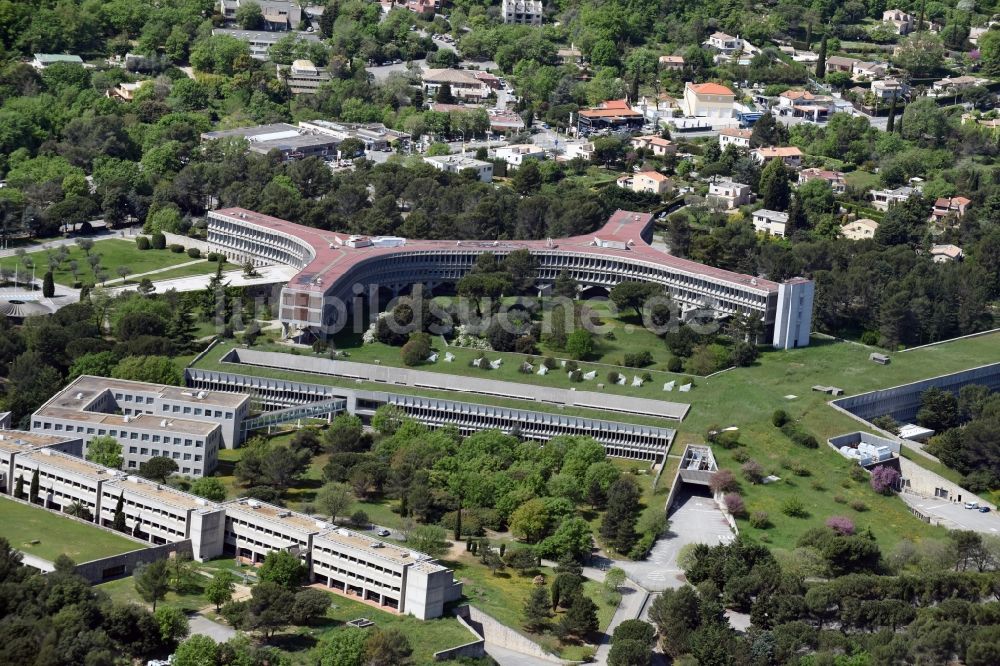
[504, 594]
[113, 252]
[57, 535]
[862, 180]
[426, 636]
[123, 591]
[201, 267]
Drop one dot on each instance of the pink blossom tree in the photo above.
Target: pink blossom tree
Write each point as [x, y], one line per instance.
[884, 479]
[734, 504]
[842, 525]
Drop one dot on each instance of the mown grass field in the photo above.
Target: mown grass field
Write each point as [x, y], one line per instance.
[113, 252]
[57, 535]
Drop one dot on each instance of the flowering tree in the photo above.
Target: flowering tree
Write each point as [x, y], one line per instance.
[722, 481]
[734, 504]
[884, 479]
[842, 525]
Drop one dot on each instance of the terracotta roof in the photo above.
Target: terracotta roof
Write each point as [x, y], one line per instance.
[732, 131]
[610, 109]
[780, 151]
[710, 89]
[653, 175]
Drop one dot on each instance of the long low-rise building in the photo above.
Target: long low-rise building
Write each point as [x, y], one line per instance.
[331, 270]
[621, 440]
[148, 420]
[357, 565]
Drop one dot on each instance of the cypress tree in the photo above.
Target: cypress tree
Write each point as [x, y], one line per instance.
[33, 490]
[48, 285]
[119, 521]
[19, 488]
[821, 59]
[891, 122]
[458, 522]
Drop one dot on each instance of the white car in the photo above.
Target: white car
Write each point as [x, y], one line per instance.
[382, 532]
[972, 505]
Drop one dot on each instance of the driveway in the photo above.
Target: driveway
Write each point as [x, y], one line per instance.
[202, 626]
[695, 519]
[953, 515]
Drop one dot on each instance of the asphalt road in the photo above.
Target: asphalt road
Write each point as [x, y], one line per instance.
[954, 515]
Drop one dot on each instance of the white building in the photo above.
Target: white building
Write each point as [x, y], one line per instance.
[900, 21]
[302, 76]
[160, 514]
[729, 194]
[464, 84]
[835, 179]
[770, 221]
[14, 443]
[859, 229]
[736, 137]
[459, 163]
[148, 420]
[522, 12]
[279, 15]
[882, 199]
[582, 149]
[724, 43]
[655, 144]
[43, 60]
[254, 529]
[647, 182]
[945, 253]
[382, 573]
[888, 89]
[515, 155]
[261, 41]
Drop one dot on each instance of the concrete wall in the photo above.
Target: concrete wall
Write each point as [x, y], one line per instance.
[926, 483]
[476, 649]
[123, 564]
[902, 402]
[498, 634]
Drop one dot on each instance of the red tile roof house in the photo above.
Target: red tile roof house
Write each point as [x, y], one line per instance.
[834, 178]
[654, 144]
[946, 207]
[790, 155]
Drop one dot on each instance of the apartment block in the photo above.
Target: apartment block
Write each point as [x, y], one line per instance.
[302, 76]
[459, 163]
[147, 420]
[522, 12]
[278, 15]
[382, 573]
[62, 479]
[254, 529]
[14, 443]
[160, 514]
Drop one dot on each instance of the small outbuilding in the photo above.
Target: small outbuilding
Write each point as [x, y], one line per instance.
[881, 359]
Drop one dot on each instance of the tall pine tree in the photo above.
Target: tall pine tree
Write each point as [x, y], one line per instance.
[891, 122]
[119, 520]
[33, 489]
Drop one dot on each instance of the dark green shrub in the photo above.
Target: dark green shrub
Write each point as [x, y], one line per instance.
[176, 248]
[779, 418]
[142, 243]
[159, 241]
[194, 253]
[675, 364]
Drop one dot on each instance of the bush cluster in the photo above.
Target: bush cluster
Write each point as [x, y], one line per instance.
[797, 434]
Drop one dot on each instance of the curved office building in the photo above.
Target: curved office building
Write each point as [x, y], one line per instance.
[334, 268]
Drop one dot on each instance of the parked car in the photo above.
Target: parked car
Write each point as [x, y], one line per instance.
[984, 509]
[382, 532]
[972, 505]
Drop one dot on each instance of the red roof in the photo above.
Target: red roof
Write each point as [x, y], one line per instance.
[710, 89]
[331, 259]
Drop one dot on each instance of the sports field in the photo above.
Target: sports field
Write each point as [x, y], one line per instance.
[56, 535]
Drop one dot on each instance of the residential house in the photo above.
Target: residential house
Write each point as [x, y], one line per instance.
[724, 43]
[770, 222]
[279, 15]
[302, 76]
[902, 22]
[522, 12]
[882, 199]
[859, 229]
[612, 115]
[655, 144]
[464, 84]
[840, 64]
[578, 149]
[834, 178]
[955, 85]
[505, 122]
[729, 194]
[426, 7]
[672, 62]
[570, 56]
[887, 90]
[708, 100]
[43, 60]
[736, 137]
[126, 91]
[649, 182]
[949, 208]
[515, 155]
[802, 103]
[790, 155]
[261, 41]
[944, 253]
[867, 70]
[459, 163]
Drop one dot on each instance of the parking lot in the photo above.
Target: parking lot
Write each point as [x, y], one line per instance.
[954, 515]
[697, 519]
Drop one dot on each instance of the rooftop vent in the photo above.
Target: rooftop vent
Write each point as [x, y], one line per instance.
[46, 452]
[201, 395]
[125, 418]
[163, 423]
[79, 396]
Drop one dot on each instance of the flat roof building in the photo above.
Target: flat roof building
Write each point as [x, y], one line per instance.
[459, 163]
[278, 15]
[14, 443]
[147, 420]
[261, 41]
[292, 142]
[302, 76]
[382, 573]
[43, 60]
[255, 528]
[770, 221]
[522, 12]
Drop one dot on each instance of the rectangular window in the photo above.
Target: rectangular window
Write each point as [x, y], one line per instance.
[131, 449]
[144, 451]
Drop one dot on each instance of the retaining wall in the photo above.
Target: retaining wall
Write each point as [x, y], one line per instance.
[926, 483]
[503, 636]
[123, 564]
[476, 649]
